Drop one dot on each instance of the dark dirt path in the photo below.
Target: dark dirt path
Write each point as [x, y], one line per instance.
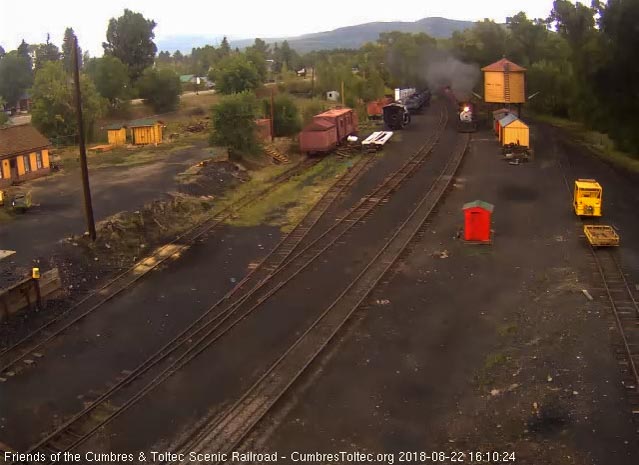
[493, 348]
[225, 370]
[149, 314]
[114, 189]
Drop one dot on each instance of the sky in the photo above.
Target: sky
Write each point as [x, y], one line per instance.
[236, 19]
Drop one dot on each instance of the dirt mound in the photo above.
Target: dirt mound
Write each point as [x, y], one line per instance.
[212, 178]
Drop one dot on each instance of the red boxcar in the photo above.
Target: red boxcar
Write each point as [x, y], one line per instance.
[328, 130]
[318, 137]
[344, 119]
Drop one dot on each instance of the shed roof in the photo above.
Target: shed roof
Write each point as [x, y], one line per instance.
[506, 120]
[319, 124]
[186, 77]
[115, 126]
[15, 140]
[138, 123]
[479, 204]
[501, 66]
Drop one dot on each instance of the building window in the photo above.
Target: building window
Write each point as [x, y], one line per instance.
[27, 163]
[39, 160]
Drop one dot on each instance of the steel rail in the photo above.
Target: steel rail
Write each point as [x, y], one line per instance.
[235, 423]
[618, 273]
[126, 279]
[184, 338]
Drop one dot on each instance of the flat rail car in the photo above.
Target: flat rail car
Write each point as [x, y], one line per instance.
[601, 235]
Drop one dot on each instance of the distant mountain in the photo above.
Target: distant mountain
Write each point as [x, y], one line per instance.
[185, 43]
[345, 37]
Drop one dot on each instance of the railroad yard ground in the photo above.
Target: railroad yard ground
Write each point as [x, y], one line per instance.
[490, 348]
[462, 348]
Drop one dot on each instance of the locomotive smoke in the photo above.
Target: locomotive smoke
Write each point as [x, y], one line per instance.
[443, 69]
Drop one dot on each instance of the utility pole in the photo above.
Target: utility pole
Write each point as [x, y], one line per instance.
[272, 117]
[88, 207]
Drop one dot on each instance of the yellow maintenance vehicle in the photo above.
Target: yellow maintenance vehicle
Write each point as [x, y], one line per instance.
[587, 197]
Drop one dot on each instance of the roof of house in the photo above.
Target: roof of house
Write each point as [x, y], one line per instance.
[479, 204]
[506, 120]
[16, 140]
[501, 66]
[186, 77]
[115, 126]
[138, 123]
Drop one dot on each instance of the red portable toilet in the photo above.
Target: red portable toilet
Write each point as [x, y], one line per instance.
[477, 221]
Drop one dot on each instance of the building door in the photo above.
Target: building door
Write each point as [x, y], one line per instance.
[476, 226]
[13, 168]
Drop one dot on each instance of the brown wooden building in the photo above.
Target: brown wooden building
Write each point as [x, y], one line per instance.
[24, 154]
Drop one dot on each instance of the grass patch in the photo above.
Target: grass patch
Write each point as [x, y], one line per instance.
[598, 142]
[507, 330]
[5, 215]
[69, 157]
[486, 374]
[288, 204]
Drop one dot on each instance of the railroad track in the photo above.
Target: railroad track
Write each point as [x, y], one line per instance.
[135, 384]
[23, 353]
[224, 433]
[624, 309]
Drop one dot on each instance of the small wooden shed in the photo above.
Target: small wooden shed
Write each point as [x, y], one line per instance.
[497, 115]
[514, 131]
[146, 131]
[477, 221]
[116, 134]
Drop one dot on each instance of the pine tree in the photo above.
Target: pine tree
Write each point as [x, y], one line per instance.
[67, 49]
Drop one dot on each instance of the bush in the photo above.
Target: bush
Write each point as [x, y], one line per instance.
[286, 116]
[296, 86]
[233, 122]
[312, 108]
[161, 89]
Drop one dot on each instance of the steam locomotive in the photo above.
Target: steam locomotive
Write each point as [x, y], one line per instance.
[396, 116]
[467, 121]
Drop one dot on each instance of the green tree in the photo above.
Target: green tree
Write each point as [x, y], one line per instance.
[225, 48]
[529, 37]
[234, 74]
[233, 122]
[53, 108]
[3, 116]
[286, 115]
[258, 60]
[615, 83]
[130, 39]
[46, 52]
[262, 47]
[67, 50]
[15, 77]
[161, 89]
[111, 78]
[486, 42]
